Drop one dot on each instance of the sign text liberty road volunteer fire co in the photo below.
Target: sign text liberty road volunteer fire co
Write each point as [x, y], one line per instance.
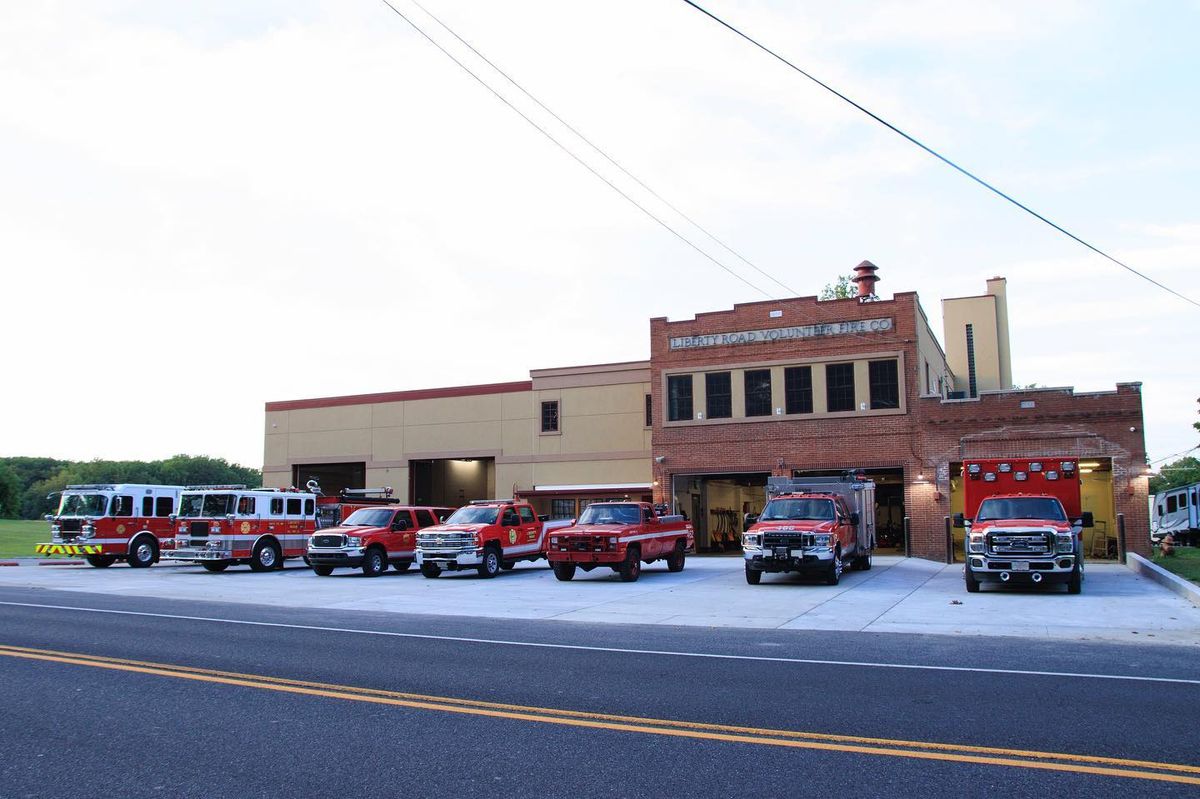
[774, 334]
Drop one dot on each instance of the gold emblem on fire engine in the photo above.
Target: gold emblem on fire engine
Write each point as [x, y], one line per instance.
[512, 536]
[245, 527]
[120, 529]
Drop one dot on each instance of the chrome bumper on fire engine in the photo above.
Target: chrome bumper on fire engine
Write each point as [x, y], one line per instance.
[797, 557]
[1047, 567]
[470, 556]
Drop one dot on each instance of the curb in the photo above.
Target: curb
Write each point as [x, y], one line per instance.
[9, 563]
[1185, 588]
[60, 563]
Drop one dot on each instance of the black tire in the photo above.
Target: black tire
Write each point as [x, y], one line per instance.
[863, 562]
[374, 562]
[143, 551]
[834, 575]
[266, 557]
[431, 570]
[676, 559]
[631, 567]
[971, 583]
[753, 576]
[491, 563]
[1075, 582]
[215, 566]
[508, 565]
[322, 571]
[402, 566]
[563, 571]
[101, 561]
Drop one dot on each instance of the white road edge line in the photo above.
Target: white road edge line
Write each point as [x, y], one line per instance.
[620, 651]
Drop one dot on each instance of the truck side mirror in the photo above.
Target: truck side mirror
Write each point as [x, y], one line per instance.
[854, 518]
[750, 520]
[49, 517]
[544, 517]
[959, 521]
[171, 518]
[1087, 520]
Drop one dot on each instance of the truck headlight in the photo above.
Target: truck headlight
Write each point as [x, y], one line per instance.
[554, 540]
[88, 531]
[1064, 543]
[353, 541]
[55, 533]
[752, 539]
[975, 543]
[823, 540]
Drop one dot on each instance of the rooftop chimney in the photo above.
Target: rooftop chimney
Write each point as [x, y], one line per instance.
[866, 279]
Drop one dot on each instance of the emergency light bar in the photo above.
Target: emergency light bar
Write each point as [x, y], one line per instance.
[1004, 467]
[217, 488]
[1051, 475]
[1067, 466]
[1035, 466]
[92, 487]
[491, 501]
[1020, 476]
[386, 491]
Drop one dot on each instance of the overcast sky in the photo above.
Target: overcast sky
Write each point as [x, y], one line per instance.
[208, 205]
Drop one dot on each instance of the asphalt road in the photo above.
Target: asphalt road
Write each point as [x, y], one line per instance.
[163, 698]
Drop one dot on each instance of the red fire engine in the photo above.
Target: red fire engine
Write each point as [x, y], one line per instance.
[106, 521]
[218, 526]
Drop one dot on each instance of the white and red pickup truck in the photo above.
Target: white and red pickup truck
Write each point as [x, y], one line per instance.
[488, 535]
[622, 536]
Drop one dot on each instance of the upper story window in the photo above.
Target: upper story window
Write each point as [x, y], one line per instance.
[679, 398]
[758, 392]
[839, 387]
[885, 384]
[797, 389]
[718, 395]
[550, 416]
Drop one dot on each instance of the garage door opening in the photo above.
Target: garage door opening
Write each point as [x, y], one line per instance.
[332, 477]
[889, 503]
[451, 482]
[717, 505]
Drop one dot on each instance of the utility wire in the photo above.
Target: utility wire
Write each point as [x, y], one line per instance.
[605, 155]
[566, 150]
[1176, 455]
[938, 155]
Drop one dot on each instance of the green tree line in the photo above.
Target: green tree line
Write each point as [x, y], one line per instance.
[26, 482]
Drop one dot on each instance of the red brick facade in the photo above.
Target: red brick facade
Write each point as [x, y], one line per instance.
[923, 439]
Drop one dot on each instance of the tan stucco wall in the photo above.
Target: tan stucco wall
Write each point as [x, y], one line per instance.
[980, 313]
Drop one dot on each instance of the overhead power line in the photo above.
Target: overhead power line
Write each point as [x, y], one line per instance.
[604, 154]
[568, 151]
[938, 155]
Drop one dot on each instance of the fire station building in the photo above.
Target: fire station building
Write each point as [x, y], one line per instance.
[792, 387]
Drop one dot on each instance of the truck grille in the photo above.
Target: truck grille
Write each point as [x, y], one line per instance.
[328, 541]
[198, 529]
[445, 540]
[787, 539]
[586, 543]
[1020, 544]
[70, 525]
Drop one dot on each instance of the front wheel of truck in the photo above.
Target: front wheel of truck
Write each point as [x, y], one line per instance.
[430, 570]
[834, 575]
[971, 582]
[322, 571]
[101, 561]
[563, 571]
[491, 563]
[631, 567]
[1075, 582]
[753, 576]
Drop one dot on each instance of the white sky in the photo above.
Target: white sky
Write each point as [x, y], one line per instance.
[207, 206]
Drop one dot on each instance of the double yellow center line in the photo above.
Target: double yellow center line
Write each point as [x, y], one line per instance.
[884, 747]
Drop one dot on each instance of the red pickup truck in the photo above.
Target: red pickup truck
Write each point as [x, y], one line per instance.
[370, 538]
[622, 536]
[488, 535]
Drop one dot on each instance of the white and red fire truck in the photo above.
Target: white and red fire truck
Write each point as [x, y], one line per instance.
[107, 521]
[219, 526]
[1023, 521]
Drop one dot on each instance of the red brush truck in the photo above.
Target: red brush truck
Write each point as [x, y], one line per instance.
[488, 535]
[107, 521]
[1023, 521]
[371, 538]
[814, 525]
[622, 536]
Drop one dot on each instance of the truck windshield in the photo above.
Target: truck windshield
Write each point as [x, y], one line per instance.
[798, 509]
[206, 506]
[1047, 508]
[610, 514]
[83, 505]
[473, 514]
[369, 517]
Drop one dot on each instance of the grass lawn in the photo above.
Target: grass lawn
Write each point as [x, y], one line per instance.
[1185, 563]
[17, 537]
